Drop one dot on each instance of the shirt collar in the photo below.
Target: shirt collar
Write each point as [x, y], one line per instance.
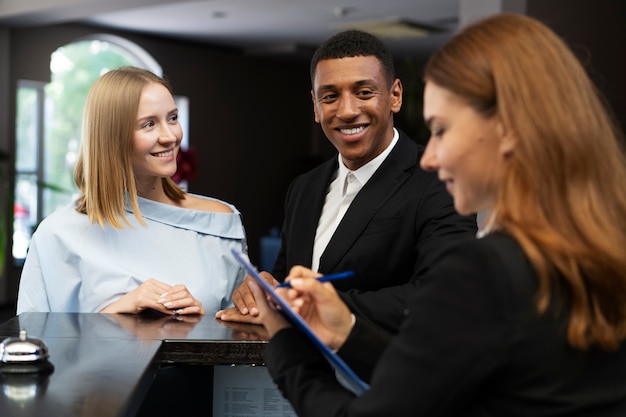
[364, 173]
[488, 225]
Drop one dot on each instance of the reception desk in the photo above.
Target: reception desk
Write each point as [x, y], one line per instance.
[106, 364]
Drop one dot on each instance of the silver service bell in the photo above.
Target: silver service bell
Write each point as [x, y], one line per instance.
[24, 355]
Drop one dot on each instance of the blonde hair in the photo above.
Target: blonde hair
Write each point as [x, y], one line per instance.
[562, 197]
[103, 172]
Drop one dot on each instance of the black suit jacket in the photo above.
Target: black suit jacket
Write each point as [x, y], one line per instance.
[392, 231]
[471, 345]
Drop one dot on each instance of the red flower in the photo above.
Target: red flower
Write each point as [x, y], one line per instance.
[187, 163]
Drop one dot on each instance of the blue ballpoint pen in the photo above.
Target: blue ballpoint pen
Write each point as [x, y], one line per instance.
[324, 278]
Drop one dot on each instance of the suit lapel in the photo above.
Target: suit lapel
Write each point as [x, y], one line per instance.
[393, 172]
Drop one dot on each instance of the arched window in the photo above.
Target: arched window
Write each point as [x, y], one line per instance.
[48, 126]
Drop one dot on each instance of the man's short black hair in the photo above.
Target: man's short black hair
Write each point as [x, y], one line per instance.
[353, 43]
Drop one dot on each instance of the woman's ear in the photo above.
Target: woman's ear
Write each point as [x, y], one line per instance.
[508, 141]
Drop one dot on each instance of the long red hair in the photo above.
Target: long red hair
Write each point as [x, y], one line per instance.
[563, 197]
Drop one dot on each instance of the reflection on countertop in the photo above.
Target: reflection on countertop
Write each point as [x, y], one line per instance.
[104, 364]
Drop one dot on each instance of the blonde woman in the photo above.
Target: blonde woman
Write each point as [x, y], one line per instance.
[133, 240]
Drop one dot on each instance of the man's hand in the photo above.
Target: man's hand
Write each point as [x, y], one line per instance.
[272, 320]
[245, 309]
[234, 315]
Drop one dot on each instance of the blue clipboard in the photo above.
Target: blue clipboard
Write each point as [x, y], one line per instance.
[345, 374]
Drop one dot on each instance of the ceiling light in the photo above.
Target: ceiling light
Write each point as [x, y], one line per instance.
[391, 28]
[341, 11]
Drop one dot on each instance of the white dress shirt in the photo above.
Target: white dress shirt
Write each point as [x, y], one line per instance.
[343, 188]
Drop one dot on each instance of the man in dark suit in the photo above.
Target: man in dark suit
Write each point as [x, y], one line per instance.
[371, 209]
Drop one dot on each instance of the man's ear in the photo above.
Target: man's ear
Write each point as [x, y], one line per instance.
[508, 141]
[317, 117]
[396, 96]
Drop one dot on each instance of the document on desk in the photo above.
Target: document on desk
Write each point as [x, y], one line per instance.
[247, 391]
[345, 374]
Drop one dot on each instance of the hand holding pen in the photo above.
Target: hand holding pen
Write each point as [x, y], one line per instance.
[324, 278]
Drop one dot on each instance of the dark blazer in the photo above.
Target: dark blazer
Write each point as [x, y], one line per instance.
[472, 344]
[389, 236]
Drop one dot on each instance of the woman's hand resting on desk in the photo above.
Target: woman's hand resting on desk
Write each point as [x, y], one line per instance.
[156, 295]
[245, 310]
[318, 304]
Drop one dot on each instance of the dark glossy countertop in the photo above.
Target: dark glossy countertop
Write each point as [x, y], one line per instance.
[104, 362]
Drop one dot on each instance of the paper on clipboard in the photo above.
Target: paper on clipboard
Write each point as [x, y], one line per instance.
[344, 373]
